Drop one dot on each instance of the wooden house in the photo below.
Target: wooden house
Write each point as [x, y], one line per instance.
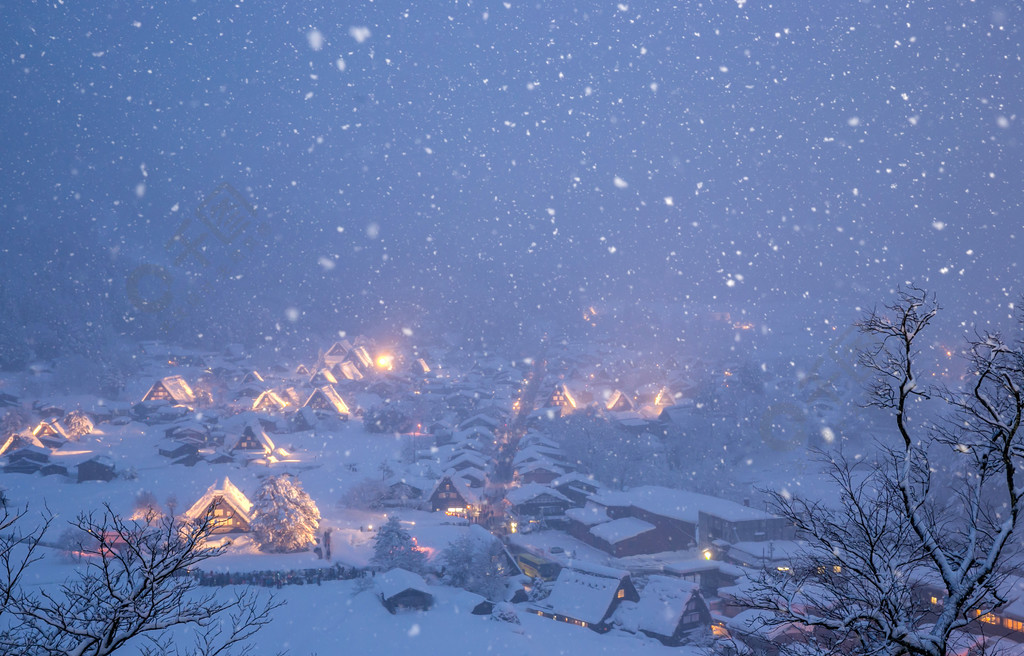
[230, 509]
[664, 398]
[26, 460]
[541, 472]
[587, 595]
[17, 441]
[536, 501]
[577, 487]
[337, 352]
[323, 377]
[360, 357]
[189, 430]
[99, 468]
[253, 378]
[563, 398]
[347, 371]
[254, 440]
[626, 536]
[399, 589]
[172, 389]
[327, 399]
[454, 496]
[619, 401]
[51, 428]
[269, 401]
[670, 609]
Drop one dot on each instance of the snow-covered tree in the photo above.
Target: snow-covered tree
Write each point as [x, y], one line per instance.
[285, 517]
[77, 424]
[394, 547]
[934, 516]
[476, 563]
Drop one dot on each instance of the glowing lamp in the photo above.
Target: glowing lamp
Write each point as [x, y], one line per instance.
[386, 362]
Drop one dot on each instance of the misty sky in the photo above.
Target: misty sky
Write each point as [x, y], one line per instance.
[790, 159]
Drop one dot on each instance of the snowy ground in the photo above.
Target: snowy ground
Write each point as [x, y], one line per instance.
[338, 617]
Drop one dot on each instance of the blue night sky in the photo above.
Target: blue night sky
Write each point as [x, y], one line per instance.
[467, 163]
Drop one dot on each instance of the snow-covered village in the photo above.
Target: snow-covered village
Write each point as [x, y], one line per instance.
[472, 326]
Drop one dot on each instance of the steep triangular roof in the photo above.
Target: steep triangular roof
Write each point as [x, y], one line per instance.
[254, 438]
[664, 602]
[252, 377]
[326, 398]
[664, 397]
[562, 397]
[269, 400]
[619, 401]
[226, 493]
[323, 377]
[339, 349]
[171, 388]
[49, 427]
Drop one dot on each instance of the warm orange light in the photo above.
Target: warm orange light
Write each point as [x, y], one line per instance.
[386, 362]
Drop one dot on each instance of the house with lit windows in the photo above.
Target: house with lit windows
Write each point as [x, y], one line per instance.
[172, 389]
[456, 497]
[229, 508]
[587, 595]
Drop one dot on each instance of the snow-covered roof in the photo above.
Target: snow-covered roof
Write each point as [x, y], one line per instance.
[176, 387]
[680, 504]
[230, 495]
[588, 515]
[399, 580]
[535, 453]
[471, 458]
[584, 594]
[618, 530]
[663, 602]
[326, 397]
[540, 465]
[768, 551]
[531, 491]
[573, 477]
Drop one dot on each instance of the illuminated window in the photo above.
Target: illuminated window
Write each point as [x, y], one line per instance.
[935, 601]
[621, 593]
[989, 618]
[1013, 625]
[836, 569]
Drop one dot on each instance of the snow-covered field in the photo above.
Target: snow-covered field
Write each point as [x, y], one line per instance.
[337, 618]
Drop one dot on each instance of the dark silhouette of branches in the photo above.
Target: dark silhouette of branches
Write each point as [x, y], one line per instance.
[132, 586]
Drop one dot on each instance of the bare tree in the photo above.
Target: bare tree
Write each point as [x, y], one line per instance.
[919, 545]
[132, 587]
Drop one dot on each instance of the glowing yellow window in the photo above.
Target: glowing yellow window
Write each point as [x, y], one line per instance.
[621, 593]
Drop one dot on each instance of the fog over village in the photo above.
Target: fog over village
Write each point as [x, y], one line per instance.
[521, 328]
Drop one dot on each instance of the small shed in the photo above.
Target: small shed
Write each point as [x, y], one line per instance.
[399, 589]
